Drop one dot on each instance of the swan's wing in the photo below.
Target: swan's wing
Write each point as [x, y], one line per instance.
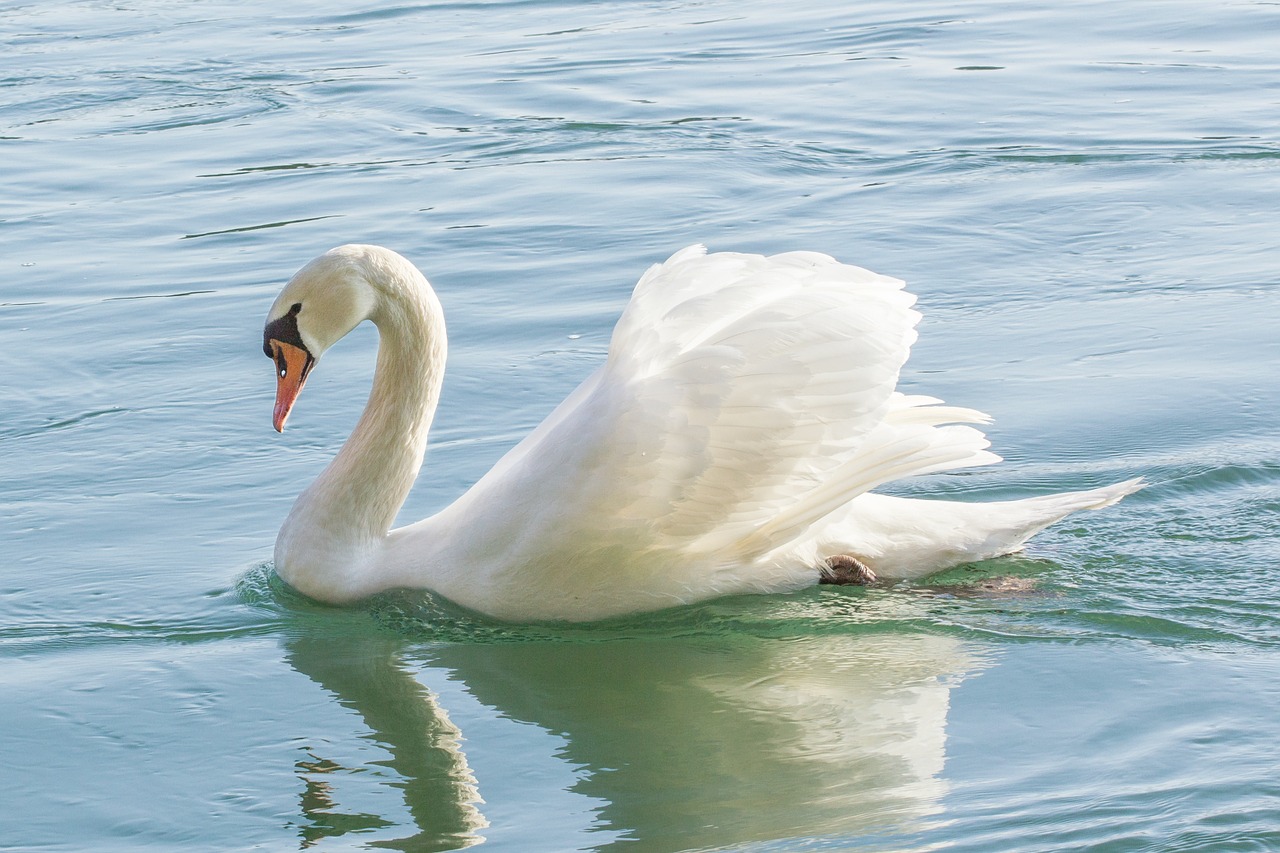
[744, 398]
[754, 379]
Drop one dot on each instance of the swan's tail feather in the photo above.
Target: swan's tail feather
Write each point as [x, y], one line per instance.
[1028, 516]
[1103, 497]
[913, 537]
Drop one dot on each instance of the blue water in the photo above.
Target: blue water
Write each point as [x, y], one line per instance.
[1082, 195]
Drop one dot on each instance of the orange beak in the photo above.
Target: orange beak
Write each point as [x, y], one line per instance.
[293, 363]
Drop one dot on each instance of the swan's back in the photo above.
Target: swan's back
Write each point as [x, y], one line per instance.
[744, 399]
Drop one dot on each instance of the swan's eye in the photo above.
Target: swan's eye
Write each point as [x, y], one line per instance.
[290, 360]
[277, 355]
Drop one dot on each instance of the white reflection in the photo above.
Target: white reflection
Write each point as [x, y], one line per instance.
[687, 743]
[440, 792]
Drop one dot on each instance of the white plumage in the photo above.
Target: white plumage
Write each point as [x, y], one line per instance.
[728, 444]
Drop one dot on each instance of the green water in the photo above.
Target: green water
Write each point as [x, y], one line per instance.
[1084, 198]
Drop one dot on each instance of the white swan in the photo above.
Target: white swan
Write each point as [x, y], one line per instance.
[728, 444]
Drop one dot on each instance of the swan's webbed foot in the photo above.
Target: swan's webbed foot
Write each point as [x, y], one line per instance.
[845, 570]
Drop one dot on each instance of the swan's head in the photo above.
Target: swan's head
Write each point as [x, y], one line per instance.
[324, 301]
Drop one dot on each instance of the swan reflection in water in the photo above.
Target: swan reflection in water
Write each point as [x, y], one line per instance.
[682, 742]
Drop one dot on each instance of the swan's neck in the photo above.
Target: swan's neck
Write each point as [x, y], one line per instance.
[330, 544]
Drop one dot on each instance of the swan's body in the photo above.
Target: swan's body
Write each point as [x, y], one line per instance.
[728, 444]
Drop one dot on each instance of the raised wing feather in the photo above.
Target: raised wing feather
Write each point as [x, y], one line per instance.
[751, 379]
[744, 398]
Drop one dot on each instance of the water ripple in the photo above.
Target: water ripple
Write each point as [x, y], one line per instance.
[1044, 608]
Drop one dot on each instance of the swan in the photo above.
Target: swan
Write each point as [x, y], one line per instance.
[728, 444]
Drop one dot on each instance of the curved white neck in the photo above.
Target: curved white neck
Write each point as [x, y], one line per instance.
[331, 540]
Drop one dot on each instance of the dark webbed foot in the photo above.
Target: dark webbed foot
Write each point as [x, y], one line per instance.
[845, 570]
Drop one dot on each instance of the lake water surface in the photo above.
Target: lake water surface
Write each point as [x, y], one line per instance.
[1083, 195]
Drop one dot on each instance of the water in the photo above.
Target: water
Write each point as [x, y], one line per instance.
[1083, 196]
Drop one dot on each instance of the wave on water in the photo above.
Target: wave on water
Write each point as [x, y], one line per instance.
[1018, 598]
